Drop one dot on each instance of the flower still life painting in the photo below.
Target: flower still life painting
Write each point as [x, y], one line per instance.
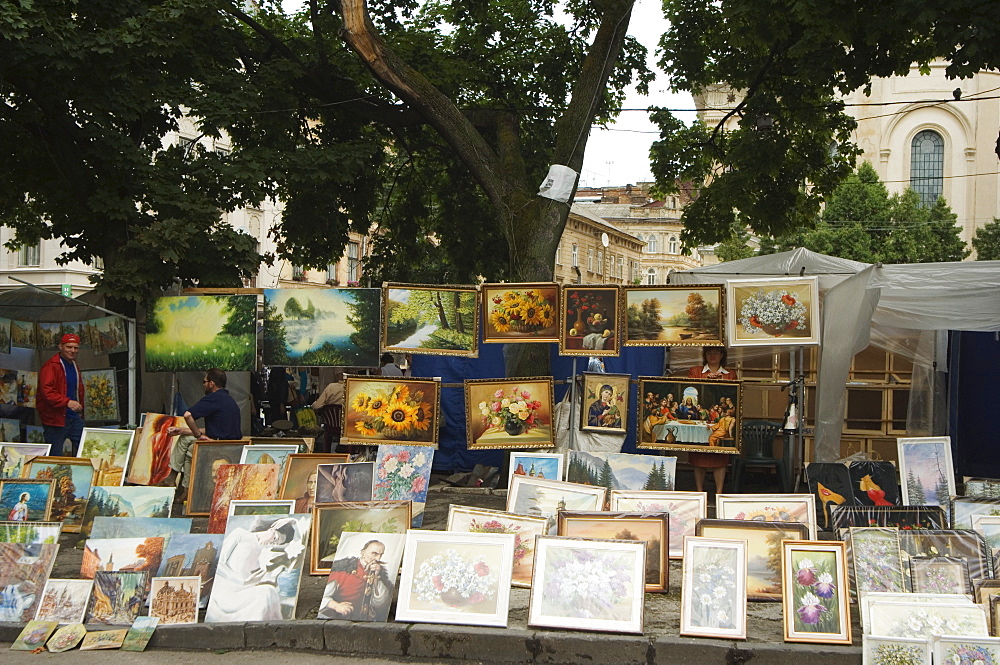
[441, 320]
[481, 520]
[950, 650]
[583, 584]
[101, 389]
[816, 601]
[939, 574]
[391, 410]
[713, 590]
[906, 618]
[456, 578]
[925, 470]
[509, 413]
[192, 333]
[402, 473]
[111, 448]
[684, 508]
[674, 315]
[773, 312]
[878, 563]
[590, 321]
[768, 508]
[896, 651]
[650, 529]
[514, 313]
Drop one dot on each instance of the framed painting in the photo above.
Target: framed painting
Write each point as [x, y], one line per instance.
[688, 414]
[815, 604]
[545, 498]
[515, 313]
[763, 539]
[768, 508]
[128, 554]
[261, 507]
[876, 558]
[940, 574]
[624, 471]
[949, 649]
[965, 508]
[830, 482]
[26, 500]
[331, 520]
[30, 533]
[192, 554]
[948, 542]
[22, 334]
[101, 389]
[126, 527]
[437, 320]
[866, 602]
[988, 526]
[379, 555]
[391, 410]
[10, 430]
[714, 588]
[110, 335]
[64, 601]
[895, 651]
[874, 483]
[909, 617]
[23, 573]
[548, 466]
[150, 462]
[689, 315]
[605, 402]
[564, 593]
[904, 517]
[351, 481]
[985, 590]
[111, 448]
[684, 509]
[403, 473]
[925, 470]
[773, 312]
[299, 481]
[480, 520]
[207, 457]
[322, 327]
[132, 501]
[651, 529]
[33, 434]
[994, 615]
[985, 487]
[509, 413]
[240, 481]
[13, 457]
[73, 478]
[268, 454]
[175, 600]
[591, 321]
[456, 578]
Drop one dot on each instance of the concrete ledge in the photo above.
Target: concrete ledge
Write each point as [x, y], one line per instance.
[795, 653]
[471, 643]
[558, 648]
[200, 636]
[390, 640]
[303, 634]
[671, 650]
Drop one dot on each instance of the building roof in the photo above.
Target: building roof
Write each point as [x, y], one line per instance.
[585, 211]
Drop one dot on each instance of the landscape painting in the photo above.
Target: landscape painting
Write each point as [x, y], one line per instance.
[117, 597]
[73, 478]
[925, 470]
[674, 315]
[431, 319]
[108, 335]
[622, 471]
[129, 554]
[22, 334]
[14, 456]
[30, 533]
[197, 333]
[128, 527]
[322, 327]
[110, 448]
[101, 389]
[131, 501]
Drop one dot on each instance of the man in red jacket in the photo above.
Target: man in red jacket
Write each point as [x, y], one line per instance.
[60, 397]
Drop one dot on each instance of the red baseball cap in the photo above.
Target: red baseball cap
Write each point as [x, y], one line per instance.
[70, 338]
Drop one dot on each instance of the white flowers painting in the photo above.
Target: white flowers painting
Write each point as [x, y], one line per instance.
[713, 590]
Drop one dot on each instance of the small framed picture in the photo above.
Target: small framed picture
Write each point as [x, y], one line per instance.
[890, 621]
[175, 600]
[206, 459]
[268, 454]
[714, 588]
[968, 545]
[904, 517]
[925, 470]
[545, 498]
[951, 649]
[519, 313]
[768, 508]
[940, 574]
[26, 500]
[547, 466]
[261, 507]
[352, 481]
[590, 321]
[112, 447]
[895, 651]
[525, 528]
[773, 312]
[64, 601]
[965, 508]
[331, 520]
[391, 410]
[877, 560]
[69, 503]
[299, 481]
[684, 315]
[509, 413]
[684, 508]
[690, 414]
[605, 402]
[650, 529]
[815, 601]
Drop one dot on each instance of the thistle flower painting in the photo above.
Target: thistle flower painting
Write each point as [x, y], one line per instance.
[515, 313]
[713, 591]
[773, 312]
[878, 564]
[402, 473]
[814, 579]
[391, 410]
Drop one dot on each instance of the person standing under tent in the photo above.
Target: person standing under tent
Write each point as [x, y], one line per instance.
[712, 369]
[60, 397]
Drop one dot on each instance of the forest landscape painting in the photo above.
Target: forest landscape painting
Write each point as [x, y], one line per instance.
[321, 327]
[191, 333]
[925, 470]
[621, 471]
[438, 320]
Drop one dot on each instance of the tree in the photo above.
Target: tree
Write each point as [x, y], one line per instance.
[987, 241]
[607, 476]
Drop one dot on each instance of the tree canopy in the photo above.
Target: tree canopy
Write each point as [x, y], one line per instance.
[987, 241]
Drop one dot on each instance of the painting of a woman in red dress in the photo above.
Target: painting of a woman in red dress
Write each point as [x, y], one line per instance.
[151, 462]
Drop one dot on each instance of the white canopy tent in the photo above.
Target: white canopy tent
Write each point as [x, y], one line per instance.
[898, 308]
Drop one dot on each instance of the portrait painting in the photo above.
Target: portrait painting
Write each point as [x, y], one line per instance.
[768, 508]
[351, 481]
[536, 465]
[682, 315]
[299, 481]
[516, 313]
[391, 410]
[26, 500]
[268, 454]
[322, 327]
[110, 448]
[101, 389]
[373, 558]
[403, 473]
[151, 452]
[525, 528]
[877, 560]
[331, 520]
[590, 321]
[605, 402]
[621, 471]
[130, 501]
[23, 571]
[684, 508]
[64, 601]
[192, 554]
[544, 498]
[775, 311]
[816, 604]
[653, 530]
[72, 479]
[509, 413]
[260, 566]
[13, 457]
[117, 597]
[207, 457]
[175, 600]
[30, 533]
[196, 333]
[688, 414]
[441, 320]
[240, 481]
[925, 470]
[878, 650]
[713, 588]
[127, 527]
[455, 578]
[8, 386]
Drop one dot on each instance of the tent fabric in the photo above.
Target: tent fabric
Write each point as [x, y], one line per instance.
[34, 304]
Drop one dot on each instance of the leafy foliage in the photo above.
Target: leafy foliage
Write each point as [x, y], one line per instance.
[987, 241]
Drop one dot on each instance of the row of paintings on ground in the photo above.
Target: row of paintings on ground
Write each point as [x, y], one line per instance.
[19, 388]
[103, 335]
[348, 327]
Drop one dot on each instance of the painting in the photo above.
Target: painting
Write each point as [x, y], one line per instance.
[391, 410]
[895, 651]
[117, 598]
[27, 388]
[322, 327]
[175, 600]
[110, 448]
[544, 498]
[331, 520]
[866, 602]
[874, 483]
[948, 649]
[139, 634]
[109, 335]
[674, 315]
[605, 402]
[131, 501]
[403, 473]
[128, 554]
[684, 509]
[773, 311]
[965, 508]
[13, 457]
[925, 470]
[590, 321]
[33, 635]
[259, 569]
[650, 529]
[768, 508]
[26, 500]
[939, 574]
[64, 601]
[948, 542]
[908, 617]
[48, 334]
[622, 471]
[509, 413]
[535, 465]
[877, 560]
[299, 481]
[442, 320]
[268, 454]
[515, 313]
[688, 414]
[988, 526]
[763, 576]
[904, 517]
[153, 445]
[197, 333]
[815, 604]
[713, 588]
[192, 554]
[375, 557]
[525, 529]
[830, 483]
[261, 507]
[30, 533]
[240, 481]
[352, 481]
[104, 639]
[32, 434]
[101, 389]
[67, 637]
[4, 334]
[73, 478]
[207, 457]
[22, 334]
[127, 527]
[10, 430]
[594, 585]
[455, 578]
[23, 571]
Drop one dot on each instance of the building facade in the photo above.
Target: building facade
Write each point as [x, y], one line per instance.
[594, 251]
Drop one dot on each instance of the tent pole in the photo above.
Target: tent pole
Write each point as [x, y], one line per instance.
[572, 407]
[133, 353]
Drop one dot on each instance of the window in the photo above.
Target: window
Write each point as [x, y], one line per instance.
[559, 254]
[353, 262]
[651, 243]
[331, 271]
[298, 273]
[633, 271]
[590, 260]
[576, 256]
[621, 266]
[30, 256]
[927, 166]
[651, 276]
[672, 244]
[600, 262]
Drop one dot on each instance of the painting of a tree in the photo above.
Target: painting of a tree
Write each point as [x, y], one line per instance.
[430, 320]
[322, 327]
[191, 333]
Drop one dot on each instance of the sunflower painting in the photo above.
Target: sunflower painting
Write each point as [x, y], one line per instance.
[391, 410]
[520, 313]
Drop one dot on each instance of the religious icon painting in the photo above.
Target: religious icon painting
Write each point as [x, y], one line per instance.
[135, 501]
[713, 590]
[816, 602]
[332, 519]
[26, 500]
[117, 597]
[73, 478]
[773, 311]
[362, 579]
[509, 413]
[207, 457]
[590, 321]
[175, 600]
[391, 410]
[438, 320]
[830, 483]
[150, 462]
[525, 528]
[110, 448]
[689, 414]
[241, 481]
[684, 315]
[403, 473]
[874, 483]
[64, 601]
[605, 402]
[516, 313]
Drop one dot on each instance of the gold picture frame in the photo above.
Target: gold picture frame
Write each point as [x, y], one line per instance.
[681, 315]
[591, 320]
[520, 313]
[392, 409]
[403, 315]
[666, 409]
[526, 421]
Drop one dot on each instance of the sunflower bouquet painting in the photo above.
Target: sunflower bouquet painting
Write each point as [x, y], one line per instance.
[520, 312]
[390, 410]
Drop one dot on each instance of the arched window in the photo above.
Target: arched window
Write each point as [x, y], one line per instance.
[651, 243]
[651, 276]
[927, 166]
[672, 245]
